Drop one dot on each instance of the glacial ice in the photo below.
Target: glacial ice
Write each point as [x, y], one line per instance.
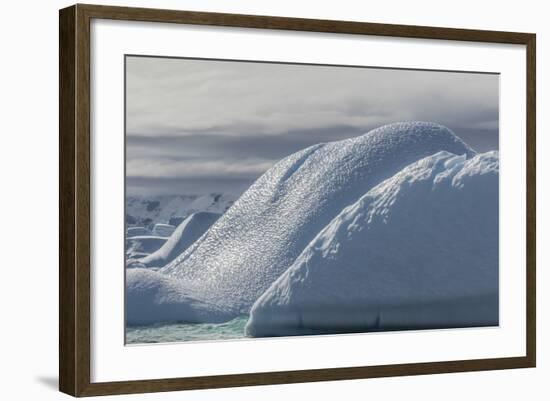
[419, 250]
[268, 227]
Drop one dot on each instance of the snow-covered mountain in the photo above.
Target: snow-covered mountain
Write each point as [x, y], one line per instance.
[173, 209]
[419, 250]
[269, 226]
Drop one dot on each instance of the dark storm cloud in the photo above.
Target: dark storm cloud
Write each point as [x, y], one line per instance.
[207, 145]
[178, 186]
[211, 126]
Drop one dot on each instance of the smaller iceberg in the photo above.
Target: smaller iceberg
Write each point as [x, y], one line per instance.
[190, 230]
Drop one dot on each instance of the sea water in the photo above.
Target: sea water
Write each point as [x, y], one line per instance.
[177, 332]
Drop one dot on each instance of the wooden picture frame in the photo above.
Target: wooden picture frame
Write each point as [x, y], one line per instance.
[74, 199]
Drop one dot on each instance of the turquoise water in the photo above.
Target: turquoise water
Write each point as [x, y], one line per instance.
[176, 332]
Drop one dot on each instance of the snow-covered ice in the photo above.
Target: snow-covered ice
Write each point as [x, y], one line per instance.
[419, 250]
[185, 235]
[268, 227]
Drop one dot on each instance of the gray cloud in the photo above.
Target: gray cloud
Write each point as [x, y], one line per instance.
[204, 184]
[203, 125]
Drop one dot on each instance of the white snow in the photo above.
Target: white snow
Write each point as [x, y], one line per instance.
[163, 230]
[419, 250]
[185, 235]
[267, 228]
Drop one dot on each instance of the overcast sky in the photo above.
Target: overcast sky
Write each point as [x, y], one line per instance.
[201, 126]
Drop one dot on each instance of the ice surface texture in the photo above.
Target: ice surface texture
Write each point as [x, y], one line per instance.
[419, 250]
[268, 227]
[185, 234]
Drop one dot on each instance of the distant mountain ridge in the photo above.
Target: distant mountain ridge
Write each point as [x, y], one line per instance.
[150, 210]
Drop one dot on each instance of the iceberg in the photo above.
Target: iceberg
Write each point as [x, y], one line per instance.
[269, 226]
[419, 250]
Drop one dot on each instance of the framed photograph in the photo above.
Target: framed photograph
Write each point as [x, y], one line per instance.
[251, 200]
